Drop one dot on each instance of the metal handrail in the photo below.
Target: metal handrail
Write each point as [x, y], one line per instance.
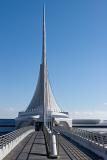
[93, 137]
[8, 138]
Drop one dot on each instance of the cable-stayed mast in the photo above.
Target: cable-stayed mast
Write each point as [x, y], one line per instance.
[44, 39]
[43, 99]
[43, 102]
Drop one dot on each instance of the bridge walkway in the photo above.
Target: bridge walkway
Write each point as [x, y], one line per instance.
[33, 148]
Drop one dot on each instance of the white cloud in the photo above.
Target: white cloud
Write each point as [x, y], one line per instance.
[89, 114]
[12, 112]
[105, 103]
[8, 112]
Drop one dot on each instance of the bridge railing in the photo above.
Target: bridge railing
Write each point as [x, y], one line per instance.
[94, 137]
[10, 140]
[93, 141]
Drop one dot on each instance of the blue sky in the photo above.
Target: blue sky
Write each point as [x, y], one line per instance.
[76, 51]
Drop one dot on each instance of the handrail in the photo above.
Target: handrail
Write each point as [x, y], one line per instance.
[93, 137]
[8, 138]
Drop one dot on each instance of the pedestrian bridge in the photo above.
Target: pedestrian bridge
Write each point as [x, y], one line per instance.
[48, 142]
[72, 144]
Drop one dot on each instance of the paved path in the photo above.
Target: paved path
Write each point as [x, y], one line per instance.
[33, 148]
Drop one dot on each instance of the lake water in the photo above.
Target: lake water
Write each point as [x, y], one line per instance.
[6, 126]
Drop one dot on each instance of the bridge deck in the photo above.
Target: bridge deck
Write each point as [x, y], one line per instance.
[33, 148]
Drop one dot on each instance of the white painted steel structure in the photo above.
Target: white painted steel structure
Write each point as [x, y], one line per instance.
[93, 141]
[43, 104]
[10, 140]
[51, 143]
